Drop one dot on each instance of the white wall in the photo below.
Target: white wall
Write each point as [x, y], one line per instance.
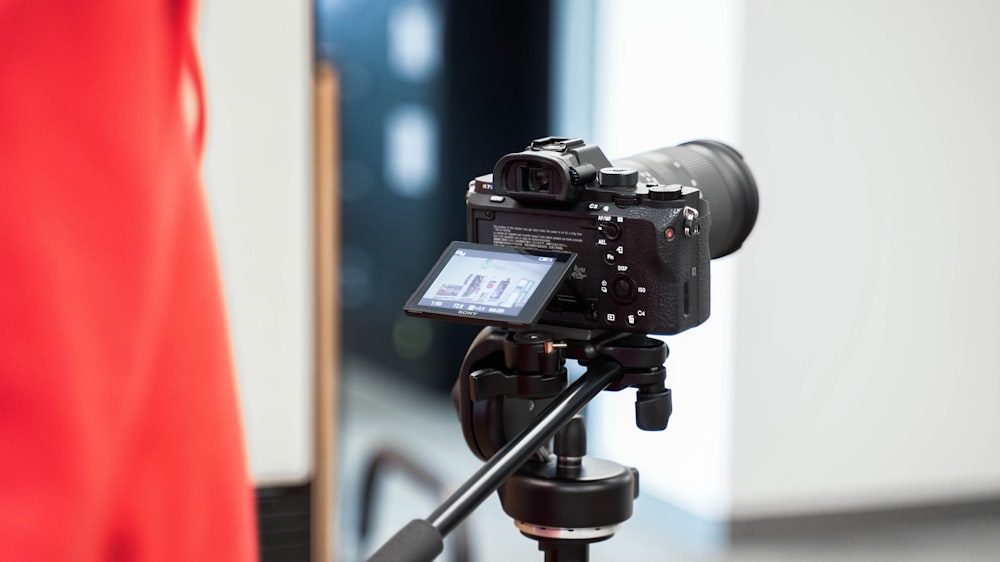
[851, 358]
[257, 58]
[867, 365]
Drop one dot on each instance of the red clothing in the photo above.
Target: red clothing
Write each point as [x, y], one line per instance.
[119, 426]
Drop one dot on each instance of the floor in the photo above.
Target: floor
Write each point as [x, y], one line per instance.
[378, 411]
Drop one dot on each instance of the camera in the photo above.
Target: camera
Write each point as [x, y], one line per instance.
[562, 236]
[571, 256]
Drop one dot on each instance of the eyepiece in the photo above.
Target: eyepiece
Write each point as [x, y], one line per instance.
[533, 177]
[724, 179]
[551, 171]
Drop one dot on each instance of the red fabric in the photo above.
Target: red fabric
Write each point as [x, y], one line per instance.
[119, 426]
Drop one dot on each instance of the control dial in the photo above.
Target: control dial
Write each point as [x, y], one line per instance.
[623, 289]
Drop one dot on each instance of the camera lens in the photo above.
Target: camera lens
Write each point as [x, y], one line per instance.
[718, 170]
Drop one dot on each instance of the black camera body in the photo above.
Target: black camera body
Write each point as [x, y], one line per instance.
[642, 245]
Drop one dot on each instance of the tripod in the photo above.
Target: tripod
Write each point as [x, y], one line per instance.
[512, 399]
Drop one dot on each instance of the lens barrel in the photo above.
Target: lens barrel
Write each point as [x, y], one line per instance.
[724, 179]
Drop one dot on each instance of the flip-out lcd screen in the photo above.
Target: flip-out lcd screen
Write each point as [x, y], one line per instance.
[490, 285]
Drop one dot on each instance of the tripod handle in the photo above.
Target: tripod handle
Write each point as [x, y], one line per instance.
[418, 541]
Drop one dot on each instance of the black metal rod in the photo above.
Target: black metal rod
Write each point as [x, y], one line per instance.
[566, 552]
[508, 459]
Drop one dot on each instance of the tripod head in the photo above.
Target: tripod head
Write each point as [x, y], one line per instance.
[512, 399]
[508, 377]
[565, 500]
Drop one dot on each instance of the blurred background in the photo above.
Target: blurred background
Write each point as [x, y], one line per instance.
[840, 403]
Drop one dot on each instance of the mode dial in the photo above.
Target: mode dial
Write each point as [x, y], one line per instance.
[618, 178]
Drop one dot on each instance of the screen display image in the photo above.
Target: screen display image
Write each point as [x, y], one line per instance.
[490, 285]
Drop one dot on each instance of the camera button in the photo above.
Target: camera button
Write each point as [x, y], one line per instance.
[623, 289]
[610, 230]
